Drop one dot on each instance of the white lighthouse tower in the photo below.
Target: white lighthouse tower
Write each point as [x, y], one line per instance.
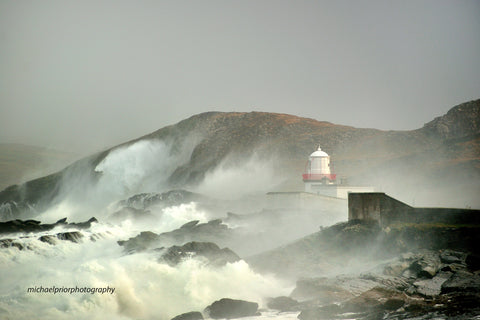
[318, 172]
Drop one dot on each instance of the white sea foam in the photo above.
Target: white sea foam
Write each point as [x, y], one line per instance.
[144, 288]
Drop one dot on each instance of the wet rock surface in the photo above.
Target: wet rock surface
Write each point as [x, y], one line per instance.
[283, 304]
[138, 206]
[73, 236]
[7, 243]
[15, 226]
[212, 231]
[141, 242]
[415, 285]
[194, 315]
[229, 308]
[215, 256]
[32, 227]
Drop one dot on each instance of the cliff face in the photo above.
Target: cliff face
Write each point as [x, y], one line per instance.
[460, 121]
[448, 145]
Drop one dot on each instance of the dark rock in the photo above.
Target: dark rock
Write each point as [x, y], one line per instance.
[190, 225]
[397, 268]
[13, 226]
[431, 287]
[427, 266]
[139, 243]
[397, 283]
[215, 222]
[377, 298]
[48, 239]
[230, 308]
[194, 315]
[61, 221]
[83, 225]
[7, 243]
[461, 305]
[372, 304]
[462, 282]
[321, 289]
[73, 236]
[36, 226]
[96, 236]
[283, 304]
[393, 304]
[324, 312]
[454, 267]
[473, 261]
[212, 231]
[450, 256]
[209, 250]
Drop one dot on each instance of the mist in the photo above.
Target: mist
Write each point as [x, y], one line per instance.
[86, 76]
[147, 287]
[145, 215]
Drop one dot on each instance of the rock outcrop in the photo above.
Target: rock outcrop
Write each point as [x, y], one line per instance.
[211, 231]
[194, 315]
[229, 308]
[215, 256]
[16, 226]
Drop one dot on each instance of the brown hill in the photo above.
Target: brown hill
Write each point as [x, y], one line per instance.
[443, 155]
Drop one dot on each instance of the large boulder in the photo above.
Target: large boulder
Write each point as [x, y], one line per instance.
[473, 261]
[450, 256]
[194, 315]
[230, 308]
[427, 266]
[371, 304]
[283, 304]
[212, 231]
[48, 239]
[430, 287]
[141, 242]
[208, 250]
[325, 290]
[7, 243]
[462, 282]
[14, 226]
[73, 236]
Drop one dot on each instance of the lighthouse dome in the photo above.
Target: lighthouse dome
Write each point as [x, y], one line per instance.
[319, 153]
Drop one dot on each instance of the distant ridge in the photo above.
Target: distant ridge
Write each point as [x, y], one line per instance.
[445, 152]
[20, 163]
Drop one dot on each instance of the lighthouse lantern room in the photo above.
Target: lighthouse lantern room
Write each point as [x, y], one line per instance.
[318, 171]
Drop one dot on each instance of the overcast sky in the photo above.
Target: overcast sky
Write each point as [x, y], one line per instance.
[85, 75]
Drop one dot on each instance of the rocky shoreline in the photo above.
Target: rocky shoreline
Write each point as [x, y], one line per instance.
[413, 271]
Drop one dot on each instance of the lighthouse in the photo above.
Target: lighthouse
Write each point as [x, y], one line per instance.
[318, 172]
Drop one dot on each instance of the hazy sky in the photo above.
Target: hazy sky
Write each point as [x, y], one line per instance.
[85, 75]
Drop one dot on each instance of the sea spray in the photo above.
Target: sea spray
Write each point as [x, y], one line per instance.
[142, 166]
[233, 180]
[144, 288]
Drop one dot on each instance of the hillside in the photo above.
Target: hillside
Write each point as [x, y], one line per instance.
[20, 163]
[439, 160]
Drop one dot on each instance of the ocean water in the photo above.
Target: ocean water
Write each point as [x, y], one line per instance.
[144, 288]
